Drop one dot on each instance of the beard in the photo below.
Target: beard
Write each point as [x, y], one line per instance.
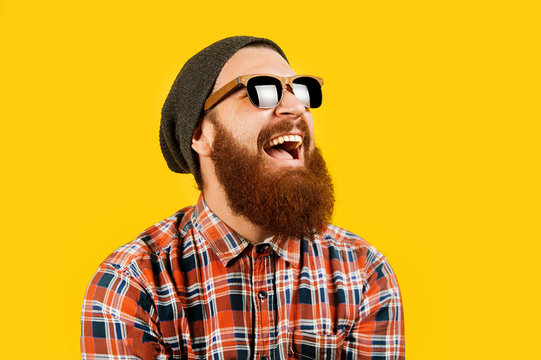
[285, 202]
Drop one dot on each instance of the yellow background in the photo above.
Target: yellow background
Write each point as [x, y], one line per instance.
[430, 127]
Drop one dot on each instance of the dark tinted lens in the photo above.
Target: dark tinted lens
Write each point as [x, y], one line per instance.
[264, 91]
[308, 91]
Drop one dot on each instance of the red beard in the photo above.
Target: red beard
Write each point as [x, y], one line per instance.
[288, 202]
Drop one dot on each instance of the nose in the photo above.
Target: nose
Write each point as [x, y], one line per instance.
[290, 106]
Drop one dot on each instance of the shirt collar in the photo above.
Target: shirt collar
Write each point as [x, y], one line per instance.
[227, 244]
[287, 248]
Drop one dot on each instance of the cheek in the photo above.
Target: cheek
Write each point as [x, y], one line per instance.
[245, 131]
[249, 124]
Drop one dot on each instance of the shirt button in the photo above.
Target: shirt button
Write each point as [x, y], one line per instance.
[262, 295]
[263, 358]
[260, 249]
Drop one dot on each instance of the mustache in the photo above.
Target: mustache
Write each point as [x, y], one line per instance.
[280, 127]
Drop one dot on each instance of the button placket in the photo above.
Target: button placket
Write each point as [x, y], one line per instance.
[264, 315]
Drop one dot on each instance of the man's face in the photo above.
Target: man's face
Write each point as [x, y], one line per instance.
[254, 127]
[287, 192]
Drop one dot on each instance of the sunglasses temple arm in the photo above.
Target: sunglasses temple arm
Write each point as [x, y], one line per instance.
[221, 93]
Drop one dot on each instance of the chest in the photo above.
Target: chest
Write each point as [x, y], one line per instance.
[262, 307]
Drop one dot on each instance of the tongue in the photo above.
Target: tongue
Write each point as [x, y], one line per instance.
[279, 153]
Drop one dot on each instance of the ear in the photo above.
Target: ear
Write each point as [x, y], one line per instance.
[202, 138]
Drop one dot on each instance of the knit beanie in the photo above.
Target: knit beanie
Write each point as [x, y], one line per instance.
[184, 104]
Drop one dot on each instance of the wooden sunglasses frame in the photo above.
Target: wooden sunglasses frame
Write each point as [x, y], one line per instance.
[242, 80]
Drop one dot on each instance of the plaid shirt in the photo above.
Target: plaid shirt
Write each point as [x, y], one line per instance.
[189, 287]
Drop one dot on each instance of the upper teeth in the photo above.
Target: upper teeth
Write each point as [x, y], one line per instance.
[283, 139]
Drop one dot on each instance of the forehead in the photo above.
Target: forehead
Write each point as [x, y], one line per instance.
[251, 60]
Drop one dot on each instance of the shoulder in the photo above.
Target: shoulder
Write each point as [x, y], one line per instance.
[127, 281]
[347, 247]
[152, 244]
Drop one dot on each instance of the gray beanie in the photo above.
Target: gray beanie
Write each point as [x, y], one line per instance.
[184, 104]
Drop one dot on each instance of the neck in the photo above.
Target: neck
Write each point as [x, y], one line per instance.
[217, 202]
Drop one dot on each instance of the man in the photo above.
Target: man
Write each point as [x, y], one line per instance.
[253, 270]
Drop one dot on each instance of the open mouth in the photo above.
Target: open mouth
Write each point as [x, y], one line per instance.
[284, 147]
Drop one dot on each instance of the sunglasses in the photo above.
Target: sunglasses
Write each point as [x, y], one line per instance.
[266, 91]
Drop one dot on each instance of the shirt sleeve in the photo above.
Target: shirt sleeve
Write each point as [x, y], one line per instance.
[118, 319]
[379, 331]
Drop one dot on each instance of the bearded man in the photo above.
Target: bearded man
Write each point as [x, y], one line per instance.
[254, 270]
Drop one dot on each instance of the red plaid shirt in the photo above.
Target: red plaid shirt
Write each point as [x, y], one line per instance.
[189, 287]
